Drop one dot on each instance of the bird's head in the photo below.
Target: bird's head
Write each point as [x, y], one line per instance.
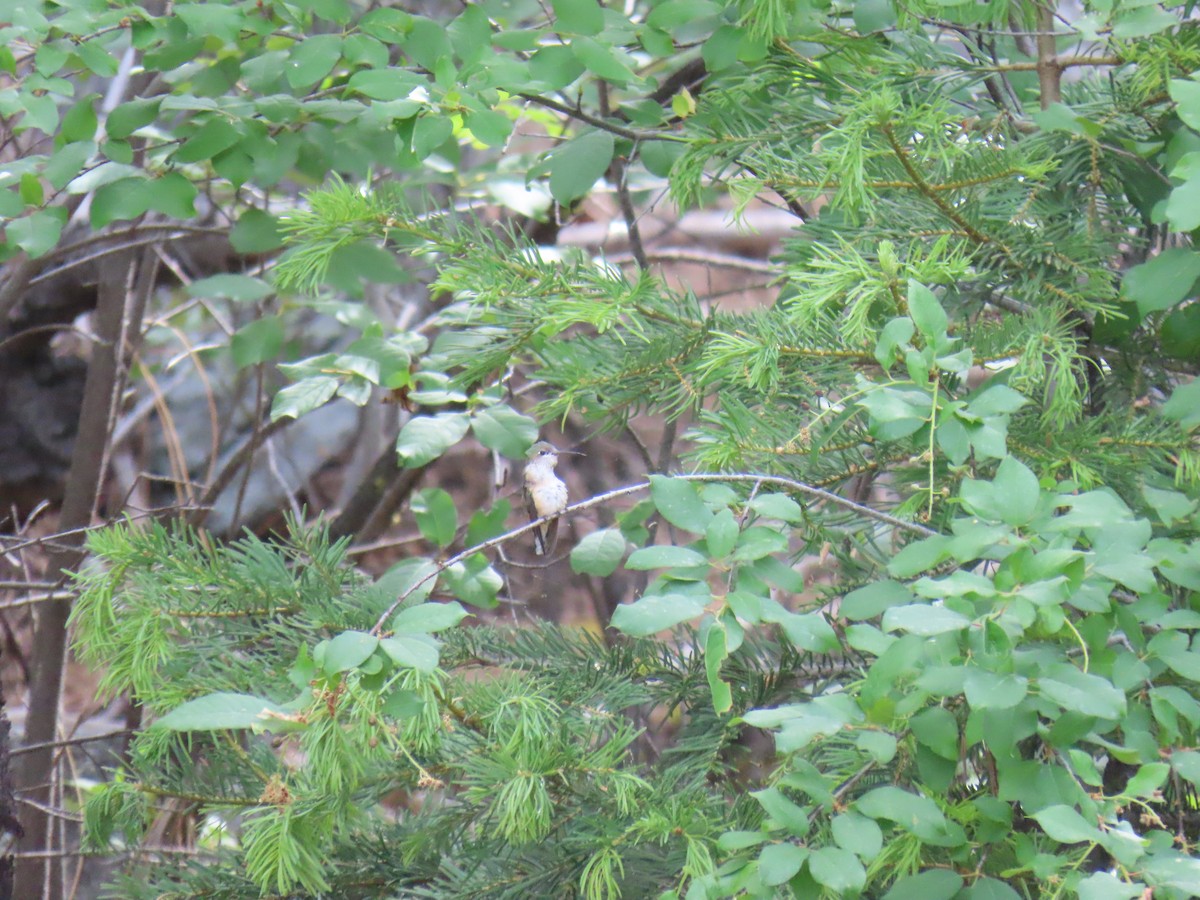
[543, 451]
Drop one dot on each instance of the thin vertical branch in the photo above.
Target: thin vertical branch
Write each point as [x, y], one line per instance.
[620, 177]
[82, 489]
[1049, 69]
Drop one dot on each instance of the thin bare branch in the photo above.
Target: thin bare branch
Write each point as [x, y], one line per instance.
[799, 487]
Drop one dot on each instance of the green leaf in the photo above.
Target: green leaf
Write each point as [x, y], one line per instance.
[927, 314]
[1181, 333]
[987, 690]
[873, 15]
[426, 618]
[679, 503]
[504, 430]
[858, 834]
[599, 553]
[777, 573]
[576, 165]
[1104, 886]
[937, 729]
[105, 173]
[1142, 21]
[720, 51]
[578, 16]
[757, 543]
[424, 438]
[874, 599]
[923, 619]
[348, 650]
[897, 805]
[364, 260]
[433, 508]
[1187, 764]
[670, 14]
[474, 582]
[936, 884]
[230, 287]
[1173, 870]
[215, 20]
[31, 190]
[715, 652]
[778, 506]
[485, 525]
[778, 863]
[659, 156]
[490, 127]
[721, 534]
[304, 396]
[215, 135]
[1148, 779]
[953, 439]
[427, 42]
[1016, 491]
[172, 195]
[1186, 93]
[66, 164]
[800, 723]
[403, 705]
[1182, 210]
[1163, 281]
[257, 342]
[782, 810]
[397, 580]
[218, 711]
[1065, 825]
[555, 67]
[603, 61]
[312, 59]
[384, 84]
[740, 840]
[808, 631]
[914, 813]
[919, 556]
[80, 122]
[989, 889]
[41, 112]
[413, 651]
[1184, 404]
[256, 232]
[651, 615]
[37, 234]
[879, 745]
[837, 869]
[662, 556]
[996, 400]
[1081, 692]
[429, 132]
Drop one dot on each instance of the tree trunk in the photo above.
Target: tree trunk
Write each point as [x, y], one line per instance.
[39, 877]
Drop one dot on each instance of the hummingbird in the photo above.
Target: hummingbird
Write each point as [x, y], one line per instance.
[545, 494]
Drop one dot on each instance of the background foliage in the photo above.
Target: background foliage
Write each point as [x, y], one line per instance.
[970, 396]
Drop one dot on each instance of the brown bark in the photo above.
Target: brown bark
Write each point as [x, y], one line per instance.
[1048, 67]
[40, 877]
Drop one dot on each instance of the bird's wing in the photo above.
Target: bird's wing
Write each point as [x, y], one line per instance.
[539, 535]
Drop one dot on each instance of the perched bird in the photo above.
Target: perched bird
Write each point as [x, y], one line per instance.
[545, 494]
